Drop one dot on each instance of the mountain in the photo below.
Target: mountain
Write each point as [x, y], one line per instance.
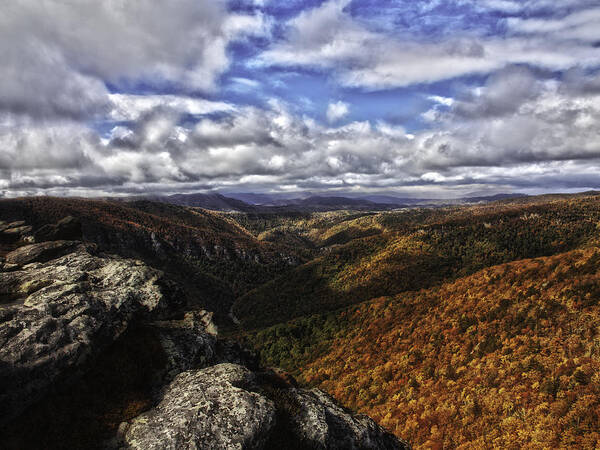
[392, 200]
[216, 202]
[382, 254]
[336, 202]
[504, 358]
[493, 198]
[466, 325]
[253, 198]
[316, 203]
[463, 326]
[307, 202]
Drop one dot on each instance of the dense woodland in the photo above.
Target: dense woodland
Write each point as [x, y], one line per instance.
[482, 329]
[383, 254]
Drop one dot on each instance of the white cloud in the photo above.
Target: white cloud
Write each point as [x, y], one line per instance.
[127, 107]
[446, 101]
[549, 138]
[582, 25]
[515, 130]
[337, 111]
[57, 56]
[329, 37]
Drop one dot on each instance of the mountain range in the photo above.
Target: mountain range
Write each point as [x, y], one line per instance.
[308, 202]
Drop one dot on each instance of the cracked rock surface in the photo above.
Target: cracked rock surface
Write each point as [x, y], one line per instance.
[320, 423]
[209, 409]
[57, 314]
[226, 406]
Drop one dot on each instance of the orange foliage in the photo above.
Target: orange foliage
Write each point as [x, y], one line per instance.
[507, 358]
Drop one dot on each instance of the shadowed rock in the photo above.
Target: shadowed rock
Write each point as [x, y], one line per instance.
[228, 407]
[67, 228]
[14, 232]
[320, 423]
[69, 310]
[208, 409]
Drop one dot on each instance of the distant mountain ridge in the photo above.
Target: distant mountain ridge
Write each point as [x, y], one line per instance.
[265, 203]
[215, 202]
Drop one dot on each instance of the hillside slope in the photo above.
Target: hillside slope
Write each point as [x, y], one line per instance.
[507, 358]
[99, 351]
[388, 253]
[208, 252]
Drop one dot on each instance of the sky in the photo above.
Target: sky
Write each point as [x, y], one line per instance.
[414, 97]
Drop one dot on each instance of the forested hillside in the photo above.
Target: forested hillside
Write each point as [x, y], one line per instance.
[387, 253]
[467, 327]
[453, 327]
[507, 357]
[211, 254]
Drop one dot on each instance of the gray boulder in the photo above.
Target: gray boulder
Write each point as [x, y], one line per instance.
[319, 423]
[210, 408]
[41, 252]
[188, 343]
[13, 232]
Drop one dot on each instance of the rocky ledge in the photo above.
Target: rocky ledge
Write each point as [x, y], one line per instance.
[90, 340]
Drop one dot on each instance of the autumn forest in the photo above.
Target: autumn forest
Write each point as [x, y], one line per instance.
[459, 327]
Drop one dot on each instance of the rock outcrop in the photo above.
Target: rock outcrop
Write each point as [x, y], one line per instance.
[211, 408]
[226, 406]
[318, 422]
[67, 228]
[65, 311]
[41, 252]
[14, 231]
[187, 343]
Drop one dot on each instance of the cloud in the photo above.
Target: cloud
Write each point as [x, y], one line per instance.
[505, 91]
[328, 37]
[514, 119]
[30, 149]
[337, 111]
[128, 107]
[580, 25]
[488, 137]
[57, 57]
[62, 130]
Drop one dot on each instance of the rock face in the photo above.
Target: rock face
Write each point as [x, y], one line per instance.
[42, 252]
[320, 423]
[67, 228]
[13, 232]
[188, 343]
[63, 312]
